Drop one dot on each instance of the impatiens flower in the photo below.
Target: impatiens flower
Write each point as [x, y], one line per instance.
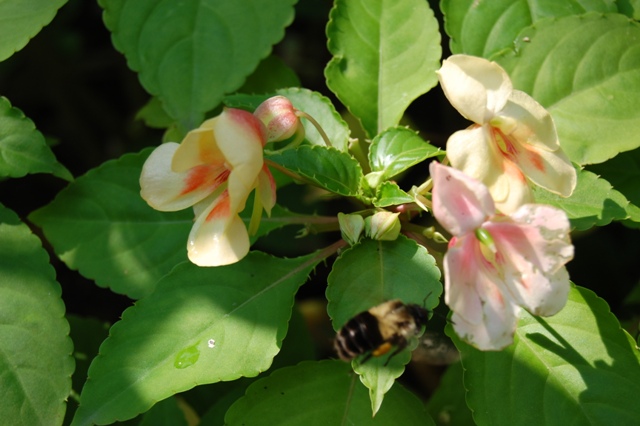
[514, 140]
[497, 263]
[214, 169]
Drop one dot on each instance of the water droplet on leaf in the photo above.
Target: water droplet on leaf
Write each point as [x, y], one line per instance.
[187, 357]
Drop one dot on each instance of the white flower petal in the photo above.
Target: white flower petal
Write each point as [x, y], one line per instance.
[476, 87]
[166, 190]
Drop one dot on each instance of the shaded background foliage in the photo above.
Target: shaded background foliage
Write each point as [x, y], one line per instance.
[79, 92]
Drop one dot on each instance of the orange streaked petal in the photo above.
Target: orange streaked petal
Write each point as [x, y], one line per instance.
[166, 190]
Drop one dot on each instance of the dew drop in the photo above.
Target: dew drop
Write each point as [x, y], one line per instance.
[211, 343]
[187, 357]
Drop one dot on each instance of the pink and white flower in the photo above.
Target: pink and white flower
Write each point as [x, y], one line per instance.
[497, 263]
[513, 141]
[213, 170]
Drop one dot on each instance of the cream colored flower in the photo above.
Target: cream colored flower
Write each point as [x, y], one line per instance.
[214, 169]
[514, 141]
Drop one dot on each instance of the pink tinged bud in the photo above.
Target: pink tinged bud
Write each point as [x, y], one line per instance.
[501, 263]
[279, 117]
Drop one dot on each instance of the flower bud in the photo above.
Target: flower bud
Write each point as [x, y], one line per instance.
[383, 225]
[351, 226]
[279, 117]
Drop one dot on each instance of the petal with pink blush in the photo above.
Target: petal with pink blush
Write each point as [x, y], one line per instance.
[460, 272]
[218, 238]
[495, 331]
[460, 203]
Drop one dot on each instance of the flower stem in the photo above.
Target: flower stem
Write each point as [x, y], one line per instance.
[319, 128]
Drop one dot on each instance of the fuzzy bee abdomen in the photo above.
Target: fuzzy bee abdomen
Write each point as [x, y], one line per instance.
[358, 336]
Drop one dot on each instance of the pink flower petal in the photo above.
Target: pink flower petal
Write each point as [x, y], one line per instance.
[535, 246]
[460, 203]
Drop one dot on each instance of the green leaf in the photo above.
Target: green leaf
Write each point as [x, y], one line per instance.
[318, 394]
[22, 20]
[192, 52]
[272, 74]
[101, 226]
[586, 71]
[201, 325]
[36, 362]
[371, 273]
[23, 149]
[594, 202]
[390, 194]
[313, 103]
[166, 412]
[328, 168]
[484, 28]
[623, 172]
[385, 54]
[394, 151]
[447, 404]
[577, 367]
[631, 8]
[154, 115]
[87, 335]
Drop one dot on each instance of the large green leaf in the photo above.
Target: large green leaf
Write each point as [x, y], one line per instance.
[623, 172]
[594, 202]
[190, 53]
[22, 148]
[447, 404]
[385, 54]
[395, 150]
[313, 103]
[35, 359]
[201, 325]
[373, 272]
[101, 226]
[333, 170]
[320, 394]
[575, 368]
[22, 20]
[483, 28]
[586, 71]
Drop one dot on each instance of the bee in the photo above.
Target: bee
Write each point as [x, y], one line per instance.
[376, 331]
